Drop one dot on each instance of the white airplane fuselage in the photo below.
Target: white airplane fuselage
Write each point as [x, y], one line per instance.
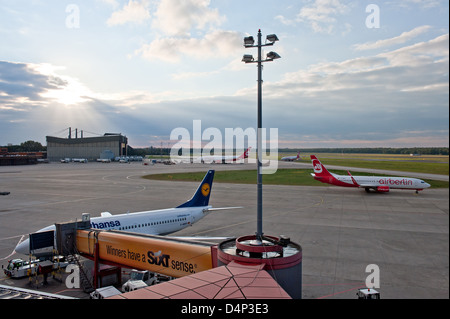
[377, 181]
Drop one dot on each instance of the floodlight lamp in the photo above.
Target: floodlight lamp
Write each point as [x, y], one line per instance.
[249, 41]
[273, 55]
[272, 38]
[248, 58]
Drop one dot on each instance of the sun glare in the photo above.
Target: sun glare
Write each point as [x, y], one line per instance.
[72, 93]
[67, 90]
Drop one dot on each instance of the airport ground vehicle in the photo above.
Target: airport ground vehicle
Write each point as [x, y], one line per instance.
[104, 292]
[139, 279]
[18, 268]
[79, 160]
[368, 293]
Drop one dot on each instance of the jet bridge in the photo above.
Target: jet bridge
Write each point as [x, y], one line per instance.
[164, 255]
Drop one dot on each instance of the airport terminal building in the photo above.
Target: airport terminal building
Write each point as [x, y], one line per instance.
[89, 148]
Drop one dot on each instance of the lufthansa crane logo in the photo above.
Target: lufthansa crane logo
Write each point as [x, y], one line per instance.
[206, 189]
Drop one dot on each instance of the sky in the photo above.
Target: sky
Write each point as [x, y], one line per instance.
[351, 74]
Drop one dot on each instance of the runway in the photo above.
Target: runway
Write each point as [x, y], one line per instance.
[341, 230]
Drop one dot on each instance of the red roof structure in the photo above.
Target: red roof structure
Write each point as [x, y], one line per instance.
[232, 281]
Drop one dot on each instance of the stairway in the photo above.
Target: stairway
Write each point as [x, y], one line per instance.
[85, 282]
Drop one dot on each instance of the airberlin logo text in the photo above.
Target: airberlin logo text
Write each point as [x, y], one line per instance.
[389, 181]
[152, 258]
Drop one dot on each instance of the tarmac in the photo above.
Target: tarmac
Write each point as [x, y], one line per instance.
[343, 231]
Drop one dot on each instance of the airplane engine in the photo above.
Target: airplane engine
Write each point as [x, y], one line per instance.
[383, 189]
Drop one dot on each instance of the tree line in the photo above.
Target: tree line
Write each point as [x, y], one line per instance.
[32, 146]
[376, 150]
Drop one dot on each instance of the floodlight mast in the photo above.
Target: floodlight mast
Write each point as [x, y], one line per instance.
[249, 43]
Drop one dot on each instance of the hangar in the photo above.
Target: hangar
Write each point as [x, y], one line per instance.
[89, 148]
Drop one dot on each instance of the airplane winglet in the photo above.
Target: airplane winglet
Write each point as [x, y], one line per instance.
[353, 180]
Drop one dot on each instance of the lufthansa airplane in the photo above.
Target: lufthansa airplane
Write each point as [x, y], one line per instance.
[154, 222]
[378, 183]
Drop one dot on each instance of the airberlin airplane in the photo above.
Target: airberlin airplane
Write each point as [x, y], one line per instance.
[378, 183]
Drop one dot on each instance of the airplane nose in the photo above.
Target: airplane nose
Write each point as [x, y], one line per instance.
[23, 247]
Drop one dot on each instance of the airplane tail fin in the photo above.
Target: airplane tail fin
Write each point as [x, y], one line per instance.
[201, 196]
[298, 155]
[319, 169]
[245, 154]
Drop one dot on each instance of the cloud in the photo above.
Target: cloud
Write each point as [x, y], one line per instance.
[134, 11]
[112, 3]
[414, 3]
[385, 98]
[404, 37]
[178, 18]
[189, 28]
[422, 64]
[285, 20]
[216, 44]
[321, 15]
[394, 98]
[21, 82]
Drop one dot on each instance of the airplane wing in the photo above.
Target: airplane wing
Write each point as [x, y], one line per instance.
[200, 238]
[221, 208]
[360, 185]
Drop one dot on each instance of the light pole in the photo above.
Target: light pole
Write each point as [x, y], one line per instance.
[249, 43]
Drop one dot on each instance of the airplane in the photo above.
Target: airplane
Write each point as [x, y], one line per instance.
[377, 183]
[224, 159]
[291, 158]
[154, 222]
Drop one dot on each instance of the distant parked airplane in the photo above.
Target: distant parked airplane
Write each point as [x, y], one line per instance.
[220, 159]
[378, 183]
[291, 158]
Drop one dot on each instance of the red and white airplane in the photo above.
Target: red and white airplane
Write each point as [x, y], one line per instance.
[219, 159]
[291, 158]
[378, 183]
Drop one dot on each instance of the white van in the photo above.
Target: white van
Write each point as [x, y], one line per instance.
[105, 292]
